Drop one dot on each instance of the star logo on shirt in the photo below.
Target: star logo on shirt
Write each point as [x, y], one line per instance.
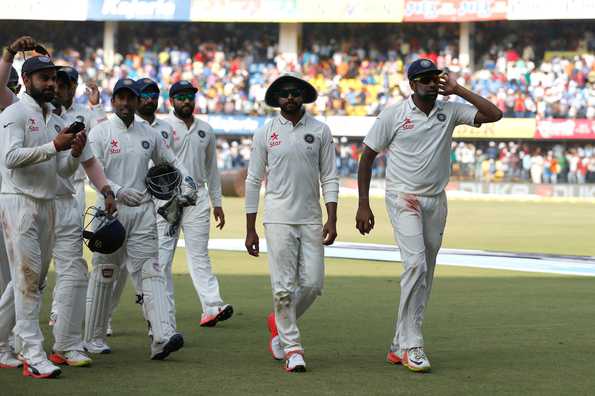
[115, 146]
[408, 124]
[274, 140]
[274, 136]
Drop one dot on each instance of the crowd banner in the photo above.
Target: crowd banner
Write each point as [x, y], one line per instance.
[565, 129]
[54, 10]
[296, 11]
[506, 128]
[454, 10]
[139, 10]
[551, 9]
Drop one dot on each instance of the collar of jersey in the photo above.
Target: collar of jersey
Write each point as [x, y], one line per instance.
[438, 105]
[285, 121]
[173, 119]
[117, 122]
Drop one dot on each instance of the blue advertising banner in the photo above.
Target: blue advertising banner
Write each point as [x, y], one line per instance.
[139, 10]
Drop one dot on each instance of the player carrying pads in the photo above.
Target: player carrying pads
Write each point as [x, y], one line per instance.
[296, 153]
[417, 134]
[125, 148]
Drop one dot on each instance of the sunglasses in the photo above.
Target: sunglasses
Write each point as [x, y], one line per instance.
[183, 97]
[427, 79]
[149, 95]
[294, 92]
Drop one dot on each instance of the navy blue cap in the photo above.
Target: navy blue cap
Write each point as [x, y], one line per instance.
[180, 86]
[422, 66]
[14, 76]
[125, 83]
[37, 63]
[69, 72]
[145, 83]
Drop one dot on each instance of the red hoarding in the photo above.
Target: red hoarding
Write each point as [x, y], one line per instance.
[454, 10]
[556, 129]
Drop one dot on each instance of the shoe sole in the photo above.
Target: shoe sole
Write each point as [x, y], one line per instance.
[225, 314]
[27, 373]
[297, 369]
[57, 359]
[8, 366]
[102, 352]
[175, 343]
[417, 369]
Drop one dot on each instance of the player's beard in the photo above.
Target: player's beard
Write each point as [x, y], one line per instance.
[291, 107]
[147, 110]
[41, 95]
[184, 111]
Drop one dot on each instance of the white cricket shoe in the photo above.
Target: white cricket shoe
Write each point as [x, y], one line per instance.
[161, 351]
[41, 369]
[71, 358]
[109, 332]
[295, 362]
[9, 360]
[97, 346]
[53, 319]
[415, 359]
[276, 348]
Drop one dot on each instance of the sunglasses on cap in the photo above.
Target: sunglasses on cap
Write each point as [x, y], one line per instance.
[149, 95]
[294, 92]
[182, 97]
[427, 79]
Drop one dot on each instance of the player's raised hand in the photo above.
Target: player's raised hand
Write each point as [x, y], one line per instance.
[329, 232]
[92, 92]
[447, 84]
[26, 43]
[219, 216]
[364, 219]
[252, 243]
[78, 144]
[63, 140]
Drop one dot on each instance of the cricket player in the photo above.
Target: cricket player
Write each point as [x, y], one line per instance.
[89, 115]
[125, 147]
[417, 134]
[194, 143]
[296, 153]
[35, 148]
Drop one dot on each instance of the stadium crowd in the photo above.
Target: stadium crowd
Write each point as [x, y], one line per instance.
[526, 70]
[472, 161]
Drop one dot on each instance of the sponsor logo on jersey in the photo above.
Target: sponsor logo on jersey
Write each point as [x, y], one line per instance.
[274, 140]
[32, 125]
[441, 117]
[408, 124]
[115, 146]
[145, 144]
[309, 138]
[202, 134]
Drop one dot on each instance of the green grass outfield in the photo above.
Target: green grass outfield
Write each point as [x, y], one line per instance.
[487, 331]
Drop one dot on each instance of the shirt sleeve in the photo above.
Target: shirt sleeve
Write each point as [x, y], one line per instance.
[256, 171]
[213, 177]
[382, 132]
[464, 114]
[329, 179]
[15, 155]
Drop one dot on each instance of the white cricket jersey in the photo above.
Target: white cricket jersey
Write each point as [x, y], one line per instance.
[125, 152]
[196, 147]
[297, 160]
[88, 116]
[30, 162]
[418, 144]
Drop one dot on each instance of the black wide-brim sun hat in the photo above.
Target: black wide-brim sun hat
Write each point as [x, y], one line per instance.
[309, 93]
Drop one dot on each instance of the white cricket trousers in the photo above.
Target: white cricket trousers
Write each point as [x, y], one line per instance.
[296, 263]
[28, 226]
[418, 231]
[71, 276]
[195, 223]
[139, 254]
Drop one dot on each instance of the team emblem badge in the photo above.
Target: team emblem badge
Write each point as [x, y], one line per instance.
[57, 128]
[309, 138]
[145, 144]
[164, 134]
[441, 117]
[425, 63]
[80, 118]
[202, 134]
